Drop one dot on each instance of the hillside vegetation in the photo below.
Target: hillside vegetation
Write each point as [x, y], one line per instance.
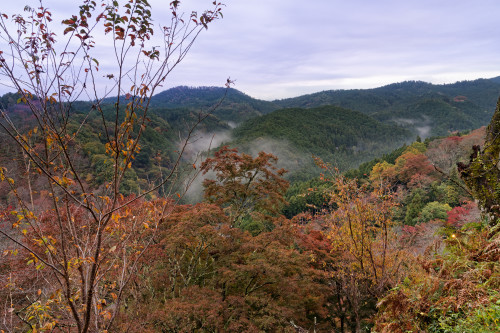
[404, 242]
[340, 136]
[435, 109]
[236, 107]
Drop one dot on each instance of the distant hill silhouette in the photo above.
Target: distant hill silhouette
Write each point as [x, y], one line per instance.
[236, 107]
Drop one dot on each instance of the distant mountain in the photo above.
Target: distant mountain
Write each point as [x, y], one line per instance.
[496, 79]
[337, 135]
[345, 127]
[235, 108]
[425, 108]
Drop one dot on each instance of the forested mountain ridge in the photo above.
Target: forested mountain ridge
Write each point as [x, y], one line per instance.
[340, 136]
[482, 92]
[424, 108]
[473, 101]
[236, 106]
[414, 108]
[346, 137]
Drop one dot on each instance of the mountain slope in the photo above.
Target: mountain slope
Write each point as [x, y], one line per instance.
[235, 108]
[337, 135]
[482, 92]
[415, 104]
[423, 108]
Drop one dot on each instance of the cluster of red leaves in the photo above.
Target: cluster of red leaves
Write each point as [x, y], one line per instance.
[414, 166]
[412, 169]
[461, 215]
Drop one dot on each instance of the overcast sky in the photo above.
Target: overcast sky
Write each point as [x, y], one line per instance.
[285, 48]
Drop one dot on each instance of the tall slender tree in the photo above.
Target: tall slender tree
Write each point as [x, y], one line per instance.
[84, 245]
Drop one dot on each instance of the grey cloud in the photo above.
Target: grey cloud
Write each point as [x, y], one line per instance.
[284, 48]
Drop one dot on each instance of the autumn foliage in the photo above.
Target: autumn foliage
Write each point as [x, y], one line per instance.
[206, 275]
[404, 248]
[248, 188]
[81, 243]
[367, 254]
